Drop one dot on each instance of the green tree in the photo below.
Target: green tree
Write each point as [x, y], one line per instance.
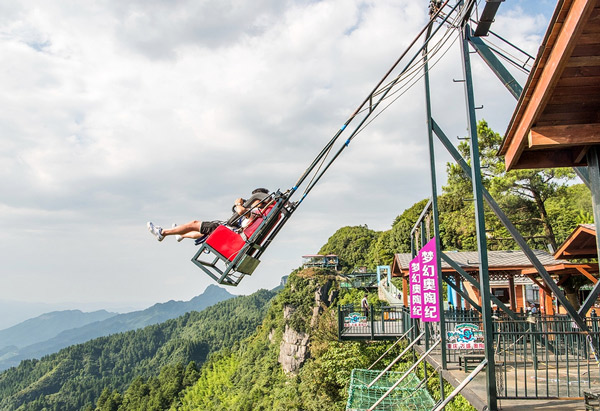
[352, 245]
[543, 204]
[523, 194]
[402, 226]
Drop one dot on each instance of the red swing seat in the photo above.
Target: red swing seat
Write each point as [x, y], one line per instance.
[229, 243]
[227, 256]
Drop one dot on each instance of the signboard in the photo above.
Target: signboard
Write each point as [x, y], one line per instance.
[355, 320]
[423, 284]
[429, 281]
[465, 337]
[416, 301]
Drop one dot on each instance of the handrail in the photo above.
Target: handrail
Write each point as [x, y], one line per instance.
[396, 359]
[422, 216]
[462, 385]
[393, 387]
[392, 346]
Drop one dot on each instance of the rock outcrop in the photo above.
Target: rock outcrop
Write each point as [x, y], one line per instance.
[294, 348]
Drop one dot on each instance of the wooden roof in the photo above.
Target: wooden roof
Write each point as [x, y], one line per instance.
[581, 243]
[507, 260]
[558, 114]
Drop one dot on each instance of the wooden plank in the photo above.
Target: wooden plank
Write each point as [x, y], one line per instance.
[591, 28]
[584, 90]
[587, 49]
[547, 159]
[581, 72]
[584, 61]
[573, 98]
[561, 119]
[565, 42]
[577, 81]
[575, 112]
[569, 135]
[588, 38]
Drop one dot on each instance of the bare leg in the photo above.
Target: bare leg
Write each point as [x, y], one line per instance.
[193, 234]
[184, 229]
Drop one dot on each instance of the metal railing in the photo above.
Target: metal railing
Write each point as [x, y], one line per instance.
[535, 356]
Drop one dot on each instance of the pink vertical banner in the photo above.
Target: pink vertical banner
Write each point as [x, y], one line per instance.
[429, 283]
[416, 300]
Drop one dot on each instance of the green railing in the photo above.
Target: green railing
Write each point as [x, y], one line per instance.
[535, 356]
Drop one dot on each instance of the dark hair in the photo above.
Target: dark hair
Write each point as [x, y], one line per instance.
[260, 190]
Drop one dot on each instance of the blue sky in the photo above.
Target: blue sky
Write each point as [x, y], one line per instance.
[116, 113]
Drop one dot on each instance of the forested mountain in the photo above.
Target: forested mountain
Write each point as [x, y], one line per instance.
[48, 325]
[75, 377]
[292, 362]
[114, 324]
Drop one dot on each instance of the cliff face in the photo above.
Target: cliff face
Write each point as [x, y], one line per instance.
[294, 349]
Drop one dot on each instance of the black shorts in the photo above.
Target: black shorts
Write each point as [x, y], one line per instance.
[208, 227]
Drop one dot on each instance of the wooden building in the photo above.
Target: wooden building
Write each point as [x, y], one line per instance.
[557, 118]
[513, 279]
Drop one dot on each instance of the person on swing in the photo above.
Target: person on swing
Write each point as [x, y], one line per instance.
[244, 212]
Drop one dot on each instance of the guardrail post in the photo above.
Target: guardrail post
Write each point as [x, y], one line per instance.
[340, 323]
[370, 314]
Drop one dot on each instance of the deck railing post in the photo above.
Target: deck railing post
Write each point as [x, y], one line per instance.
[340, 323]
[372, 321]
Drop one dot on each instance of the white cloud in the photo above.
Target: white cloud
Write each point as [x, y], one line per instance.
[115, 113]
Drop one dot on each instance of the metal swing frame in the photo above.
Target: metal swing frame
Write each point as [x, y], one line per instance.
[231, 271]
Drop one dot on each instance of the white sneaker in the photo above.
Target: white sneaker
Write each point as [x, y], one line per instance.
[155, 230]
[178, 237]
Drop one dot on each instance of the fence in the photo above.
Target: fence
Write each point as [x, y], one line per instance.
[536, 356]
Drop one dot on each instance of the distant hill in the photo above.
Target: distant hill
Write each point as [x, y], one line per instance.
[74, 378]
[48, 325]
[10, 357]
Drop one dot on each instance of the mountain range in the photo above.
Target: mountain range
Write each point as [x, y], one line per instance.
[163, 357]
[51, 332]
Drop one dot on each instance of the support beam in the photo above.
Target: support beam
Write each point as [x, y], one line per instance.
[583, 174]
[593, 158]
[497, 67]
[541, 285]
[462, 294]
[435, 214]
[477, 184]
[476, 284]
[487, 17]
[575, 316]
[587, 275]
[570, 135]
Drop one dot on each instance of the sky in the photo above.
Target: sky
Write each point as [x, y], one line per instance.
[117, 113]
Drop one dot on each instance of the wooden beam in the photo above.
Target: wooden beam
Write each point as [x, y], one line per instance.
[584, 61]
[576, 252]
[582, 154]
[549, 268]
[571, 29]
[589, 276]
[562, 279]
[547, 159]
[542, 286]
[569, 135]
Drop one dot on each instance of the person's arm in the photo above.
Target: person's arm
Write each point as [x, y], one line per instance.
[239, 206]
